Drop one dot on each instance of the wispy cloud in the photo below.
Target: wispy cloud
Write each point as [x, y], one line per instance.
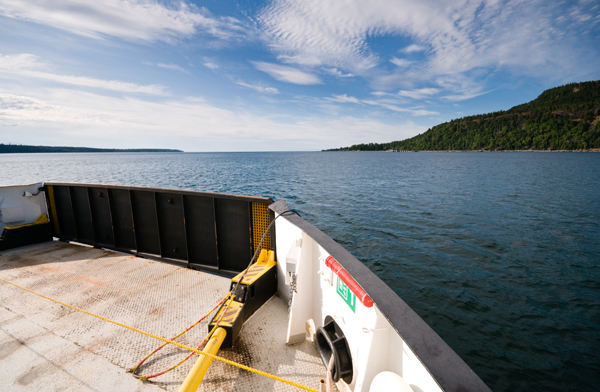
[450, 38]
[74, 115]
[173, 67]
[402, 63]
[388, 103]
[136, 20]
[413, 48]
[337, 72]
[27, 65]
[395, 108]
[20, 110]
[315, 33]
[460, 88]
[462, 97]
[287, 74]
[344, 99]
[420, 93]
[210, 63]
[259, 88]
[380, 93]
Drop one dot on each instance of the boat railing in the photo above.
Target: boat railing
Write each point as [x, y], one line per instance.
[202, 230]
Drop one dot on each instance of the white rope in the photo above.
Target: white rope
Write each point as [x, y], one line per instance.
[329, 384]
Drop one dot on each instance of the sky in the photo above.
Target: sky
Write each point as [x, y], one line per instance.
[282, 75]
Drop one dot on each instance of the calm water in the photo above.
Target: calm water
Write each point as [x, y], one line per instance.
[498, 252]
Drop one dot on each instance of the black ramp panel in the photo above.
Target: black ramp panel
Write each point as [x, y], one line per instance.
[122, 219]
[145, 222]
[83, 216]
[64, 213]
[172, 226]
[201, 234]
[202, 230]
[233, 233]
[100, 206]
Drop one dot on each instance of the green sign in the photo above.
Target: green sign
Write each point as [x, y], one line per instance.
[346, 294]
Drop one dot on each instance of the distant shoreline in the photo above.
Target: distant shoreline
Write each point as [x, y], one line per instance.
[589, 150]
[18, 148]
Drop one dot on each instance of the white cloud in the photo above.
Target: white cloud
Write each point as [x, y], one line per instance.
[286, 74]
[389, 106]
[17, 62]
[402, 63]
[136, 20]
[16, 109]
[418, 93]
[335, 32]
[461, 88]
[316, 33]
[456, 37]
[27, 65]
[413, 48]
[260, 89]
[462, 97]
[337, 72]
[174, 67]
[344, 99]
[380, 93]
[80, 118]
[210, 63]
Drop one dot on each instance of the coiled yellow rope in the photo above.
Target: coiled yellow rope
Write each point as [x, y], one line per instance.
[227, 361]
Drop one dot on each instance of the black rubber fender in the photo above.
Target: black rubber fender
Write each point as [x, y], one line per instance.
[331, 341]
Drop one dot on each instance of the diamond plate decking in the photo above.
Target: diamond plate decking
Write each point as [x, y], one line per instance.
[46, 346]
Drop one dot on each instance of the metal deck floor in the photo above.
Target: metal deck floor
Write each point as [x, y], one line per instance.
[46, 346]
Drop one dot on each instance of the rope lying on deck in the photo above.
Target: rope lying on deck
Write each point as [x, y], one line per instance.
[149, 376]
[228, 304]
[227, 361]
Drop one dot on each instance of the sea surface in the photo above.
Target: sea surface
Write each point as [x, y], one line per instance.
[498, 252]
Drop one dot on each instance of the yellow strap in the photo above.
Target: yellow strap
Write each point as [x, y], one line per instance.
[227, 361]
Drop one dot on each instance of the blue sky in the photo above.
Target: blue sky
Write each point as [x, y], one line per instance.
[277, 75]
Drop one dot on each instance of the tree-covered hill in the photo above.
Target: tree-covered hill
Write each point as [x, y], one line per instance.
[562, 118]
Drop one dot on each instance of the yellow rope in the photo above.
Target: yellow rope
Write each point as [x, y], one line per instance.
[227, 361]
[146, 377]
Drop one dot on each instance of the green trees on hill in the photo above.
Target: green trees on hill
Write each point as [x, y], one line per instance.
[562, 118]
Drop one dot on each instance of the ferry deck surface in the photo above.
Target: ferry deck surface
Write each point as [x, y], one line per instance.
[46, 346]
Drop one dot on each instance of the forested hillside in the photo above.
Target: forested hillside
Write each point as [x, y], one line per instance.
[562, 118]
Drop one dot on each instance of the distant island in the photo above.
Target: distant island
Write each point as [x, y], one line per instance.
[19, 148]
[562, 118]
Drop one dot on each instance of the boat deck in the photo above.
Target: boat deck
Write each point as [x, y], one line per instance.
[46, 346]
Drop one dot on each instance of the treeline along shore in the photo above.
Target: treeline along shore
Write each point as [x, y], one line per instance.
[19, 148]
[563, 118]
